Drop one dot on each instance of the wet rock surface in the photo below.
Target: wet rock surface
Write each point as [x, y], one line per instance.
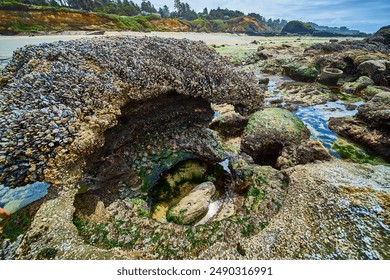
[305, 95]
[358, 131]
[376, 112]
[193, 206]
[303, 153]
[333, 210]
[301, 73]
[358, 85]
[370, 126]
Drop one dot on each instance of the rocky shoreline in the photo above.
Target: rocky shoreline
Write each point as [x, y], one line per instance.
[162, 149]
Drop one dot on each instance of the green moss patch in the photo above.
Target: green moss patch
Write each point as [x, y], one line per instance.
[355, 153]
[15, 225]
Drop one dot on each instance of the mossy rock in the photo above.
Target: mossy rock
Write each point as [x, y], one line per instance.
[363, 58]
[302, 73]
[371, 91]
[357, 86]
[268, 131]
[266, 189]
[352, 152]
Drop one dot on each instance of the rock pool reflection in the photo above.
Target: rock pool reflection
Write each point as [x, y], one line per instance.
[316, 119]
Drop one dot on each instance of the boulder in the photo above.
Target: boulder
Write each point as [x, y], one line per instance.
[369, 92]
[192, 207]
[376, 70]
[306, 152]
[229, 125]
[376, 112]
[384, 33]
[371, 66]
[269, 131]
[358, 85]
[310, 151]
[152, 69]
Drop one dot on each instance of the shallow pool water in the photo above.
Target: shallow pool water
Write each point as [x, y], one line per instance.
[177, 182]
[316, 119]
[15, 199]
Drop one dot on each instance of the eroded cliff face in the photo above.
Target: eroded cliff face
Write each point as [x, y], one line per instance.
[45, 20]
[171, 25]
[245, 25]
[30, 20]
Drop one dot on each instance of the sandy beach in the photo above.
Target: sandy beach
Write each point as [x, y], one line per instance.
[10, 43]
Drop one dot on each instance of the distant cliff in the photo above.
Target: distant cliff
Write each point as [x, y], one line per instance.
[312, 29]
[33, 20]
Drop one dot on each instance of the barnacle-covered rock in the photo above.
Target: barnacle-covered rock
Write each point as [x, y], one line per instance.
[57, 99]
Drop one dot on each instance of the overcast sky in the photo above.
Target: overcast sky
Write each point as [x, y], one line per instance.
[367, 16]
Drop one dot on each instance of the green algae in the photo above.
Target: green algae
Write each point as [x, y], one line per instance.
[176, 183]
[354, 153]
[280, 120]
[301, 73]
[164, 160]
[15, 225]
[346, 97]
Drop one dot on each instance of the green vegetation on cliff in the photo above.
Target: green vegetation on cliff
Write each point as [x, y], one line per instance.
[136, 23]
[30, 19]
[298, 27]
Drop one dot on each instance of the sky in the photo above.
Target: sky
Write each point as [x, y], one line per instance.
[364, 15]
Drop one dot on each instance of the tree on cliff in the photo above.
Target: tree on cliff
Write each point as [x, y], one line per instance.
[87, 5]
[183, 10]
[146, 6]
[224, 14]
[164, 12]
